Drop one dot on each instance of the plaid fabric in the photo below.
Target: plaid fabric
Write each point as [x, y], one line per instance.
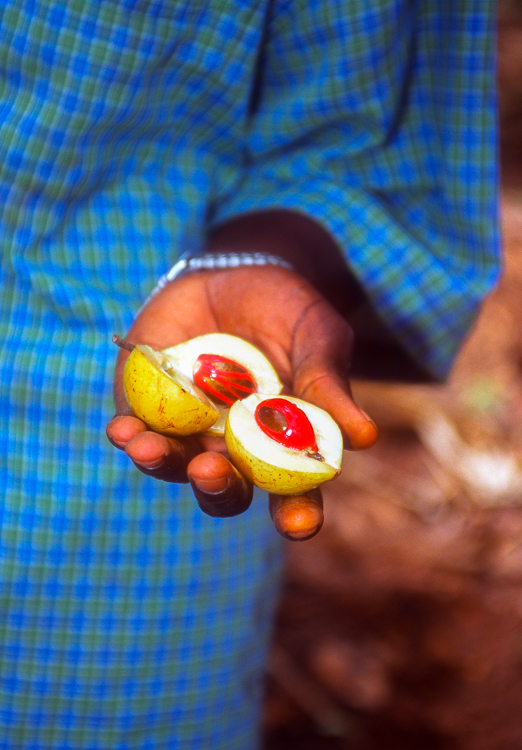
[129, 620]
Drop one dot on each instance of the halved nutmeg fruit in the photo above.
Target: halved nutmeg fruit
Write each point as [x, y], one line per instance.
[189, 388]
[283, 444]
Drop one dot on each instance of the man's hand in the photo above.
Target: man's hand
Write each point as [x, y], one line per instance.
[306, 340]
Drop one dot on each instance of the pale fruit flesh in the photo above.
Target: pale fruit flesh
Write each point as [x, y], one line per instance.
[166, 401]
[183, 356]
[274, 467]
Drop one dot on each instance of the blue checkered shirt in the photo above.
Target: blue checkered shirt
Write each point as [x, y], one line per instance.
[128, 619]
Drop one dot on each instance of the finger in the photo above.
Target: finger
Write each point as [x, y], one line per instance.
[219, 488]
[297, 517]
[123, 427]
[162, 457]
[332, 393]
[321, 352]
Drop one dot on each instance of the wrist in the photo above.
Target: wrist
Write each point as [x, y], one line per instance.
[216, 261]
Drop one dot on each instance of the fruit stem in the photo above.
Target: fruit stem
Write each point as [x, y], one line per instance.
[122, 343]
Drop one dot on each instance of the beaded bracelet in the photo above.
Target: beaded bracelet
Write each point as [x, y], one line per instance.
[216, 261]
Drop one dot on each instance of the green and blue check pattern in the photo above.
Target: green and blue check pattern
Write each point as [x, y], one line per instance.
[129, 620]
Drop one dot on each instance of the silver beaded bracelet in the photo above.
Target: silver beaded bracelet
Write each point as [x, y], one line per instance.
[216, 261]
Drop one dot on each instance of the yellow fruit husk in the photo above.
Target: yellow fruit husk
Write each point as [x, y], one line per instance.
[274, 478]
[165, 404]
[273, 467]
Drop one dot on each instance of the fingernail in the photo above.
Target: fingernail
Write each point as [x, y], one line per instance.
[153, 464]
[213, 486]
[367, 417]
[117, 443]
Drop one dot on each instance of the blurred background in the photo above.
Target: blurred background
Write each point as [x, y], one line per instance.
[400, 624]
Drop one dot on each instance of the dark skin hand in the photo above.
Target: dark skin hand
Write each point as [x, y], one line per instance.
[308, 342]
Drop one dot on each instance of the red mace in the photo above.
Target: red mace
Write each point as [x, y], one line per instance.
[287, 424]
[222, 378]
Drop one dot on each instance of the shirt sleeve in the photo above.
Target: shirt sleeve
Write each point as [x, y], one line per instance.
[378, 119]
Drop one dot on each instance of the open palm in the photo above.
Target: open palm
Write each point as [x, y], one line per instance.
[307, 342]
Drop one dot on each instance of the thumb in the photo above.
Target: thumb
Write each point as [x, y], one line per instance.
[321, 354]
